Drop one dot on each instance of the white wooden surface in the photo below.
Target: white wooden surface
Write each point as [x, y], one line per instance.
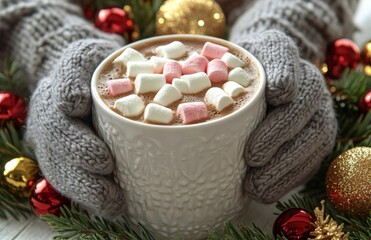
[35, 229]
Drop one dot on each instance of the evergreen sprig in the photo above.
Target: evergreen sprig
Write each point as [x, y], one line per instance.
[10, 205]
[241, 232]
[11, 79]
[143, 12]
[10, 143]
[75, 223]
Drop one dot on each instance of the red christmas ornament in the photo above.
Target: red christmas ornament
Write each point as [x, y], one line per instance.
[294, 224]
[12, 108]
[341, 54]
[45, 199]
[114, 20]
[365, 103]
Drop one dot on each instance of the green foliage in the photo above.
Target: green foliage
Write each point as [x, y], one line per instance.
[10, 205]
[240, 232]
[303, 202]
[77, 224]
[359, 227]
[143, 12]
[11, 79]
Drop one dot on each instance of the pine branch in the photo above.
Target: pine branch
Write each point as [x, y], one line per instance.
[241, 232]
[77, 224]
[359, 227]
[11, 79]
[9, 205]
[303, 202]
[10, 143]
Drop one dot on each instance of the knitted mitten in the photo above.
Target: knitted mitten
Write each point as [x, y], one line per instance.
[300, 127]
[58, 49]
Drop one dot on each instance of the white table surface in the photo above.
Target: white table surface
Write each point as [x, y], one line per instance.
[36, 229]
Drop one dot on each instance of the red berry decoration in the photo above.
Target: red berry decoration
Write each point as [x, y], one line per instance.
[114, 20]
[12, 108]
[341, 54]
[294, 224]
[365, 103]
[45, 199]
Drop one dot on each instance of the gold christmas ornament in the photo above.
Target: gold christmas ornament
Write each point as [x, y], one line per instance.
[327, 228]
[192, 17]
[348, 181]
[19, 176]
[366, 58]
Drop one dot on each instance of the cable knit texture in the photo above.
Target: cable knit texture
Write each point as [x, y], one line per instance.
[312, 24]
[58, 51]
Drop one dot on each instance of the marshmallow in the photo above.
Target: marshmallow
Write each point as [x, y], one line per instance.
[158, 63]
[167, 95]
[130, 106]
[172, 69]
[134, 68]
[145, 82]
[119, 86]
[172, 50]
[233, 89]
[218, 98]
[192, 83]
[158, 114]
[217, 71]
[128, 55]
[240, 76]
[192, 112]
[232, 61]
[195, 64]
[212, 50]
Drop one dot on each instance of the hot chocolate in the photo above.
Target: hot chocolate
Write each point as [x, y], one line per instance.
[194, 76]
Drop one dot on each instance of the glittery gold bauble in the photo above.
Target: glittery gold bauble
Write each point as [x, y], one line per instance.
[19, 176]
[366, 58]
[348, 181]
[191, 16]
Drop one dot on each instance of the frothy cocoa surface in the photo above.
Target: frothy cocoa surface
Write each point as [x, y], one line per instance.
[110, 71]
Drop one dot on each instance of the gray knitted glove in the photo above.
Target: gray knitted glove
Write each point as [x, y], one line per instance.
[300, 127]
[44, 38]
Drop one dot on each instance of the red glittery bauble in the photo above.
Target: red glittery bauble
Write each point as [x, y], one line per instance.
[45, 199]
[365, 103]
[341, 54]
[114, 20]
[294, 224]
[12, 108]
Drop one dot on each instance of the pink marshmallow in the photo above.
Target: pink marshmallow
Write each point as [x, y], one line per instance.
[212, 50]
[195, 64]
[172, 69]
[217, 71]
[119, 86]
[191, 112]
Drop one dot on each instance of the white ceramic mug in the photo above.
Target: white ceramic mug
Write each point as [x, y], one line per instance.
[181, 180]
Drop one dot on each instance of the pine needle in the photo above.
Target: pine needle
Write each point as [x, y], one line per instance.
[9, 205]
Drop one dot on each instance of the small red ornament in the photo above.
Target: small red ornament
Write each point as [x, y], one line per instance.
[341, 54]
[294, 224]
[12, 108]
[45, 199]
[114, 20]
[365, 103]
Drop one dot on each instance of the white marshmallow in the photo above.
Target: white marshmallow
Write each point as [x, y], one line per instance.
[233, 89]
[158, 63]
[240, 76]
[232, 61]
[218, 98]
[181, 85]
[172, 50]
[128, 55]
[134, 68]
[192, 83]
[167, 95]
[146, 82]
[158, 114]
[130, 106]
